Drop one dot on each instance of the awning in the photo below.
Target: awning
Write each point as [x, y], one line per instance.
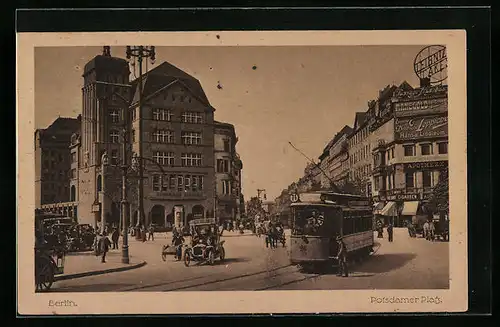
[389, 209]
[377, 207]
[410, 208]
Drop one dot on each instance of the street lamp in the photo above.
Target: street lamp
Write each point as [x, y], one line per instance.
[138, 53]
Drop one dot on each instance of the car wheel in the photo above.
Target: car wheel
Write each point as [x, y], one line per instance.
[211, 258]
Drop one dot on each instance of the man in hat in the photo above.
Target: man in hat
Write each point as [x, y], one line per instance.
[342, 257]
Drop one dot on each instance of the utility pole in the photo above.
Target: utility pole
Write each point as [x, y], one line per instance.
[140, 52]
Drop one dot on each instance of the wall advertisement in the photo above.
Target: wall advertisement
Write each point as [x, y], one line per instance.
[420, 107]
[418, 128]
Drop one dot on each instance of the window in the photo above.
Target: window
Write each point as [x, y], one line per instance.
[426, 149]
[114, 157]
[410, 180]
[134, 114]
[227, 146]
[377, 183]
[115, 116]
[409, 150]
[73, 173]
[164, 158]
[392, 152]
[187, 183]
[427, 178]
[226, 187]
[180, 181]
[73, 157]
[194, 183]
[200, 182]
[222, 166]
[443, 148]
[172, 182]
[191, 138]
[192, 117]
[156, 183]
[191, 159]
[162, 114]
[114, 137]
[163, 136]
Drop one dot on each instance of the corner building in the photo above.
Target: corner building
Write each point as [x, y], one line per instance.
[411, 152]
[228, 167]
[178, 135]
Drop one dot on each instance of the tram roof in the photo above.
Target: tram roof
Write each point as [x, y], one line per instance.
[329, 198]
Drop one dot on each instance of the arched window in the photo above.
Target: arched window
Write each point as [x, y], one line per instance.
[99, 183]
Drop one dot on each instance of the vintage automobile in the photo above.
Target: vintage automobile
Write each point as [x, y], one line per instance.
[206, 245]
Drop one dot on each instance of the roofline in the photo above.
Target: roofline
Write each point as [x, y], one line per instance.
[177, 80]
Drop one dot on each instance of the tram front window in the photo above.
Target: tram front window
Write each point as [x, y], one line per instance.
[309, 221]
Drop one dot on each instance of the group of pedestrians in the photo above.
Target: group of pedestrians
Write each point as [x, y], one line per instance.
[390, 231]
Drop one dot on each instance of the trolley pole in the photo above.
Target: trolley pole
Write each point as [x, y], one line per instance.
[125, 206]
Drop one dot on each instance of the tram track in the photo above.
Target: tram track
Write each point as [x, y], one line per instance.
[205, 283]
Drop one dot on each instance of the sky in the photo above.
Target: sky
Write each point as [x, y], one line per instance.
[299, 94]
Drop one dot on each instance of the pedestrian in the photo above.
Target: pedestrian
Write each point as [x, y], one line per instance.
[380, 229]
[151, 232]
[426, 230]
[390, 232]
[342, 257]
[104, 244]
[143, 233]
[114, 237]
[432, 231]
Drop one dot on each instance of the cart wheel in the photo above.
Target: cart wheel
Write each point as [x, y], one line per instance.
[44, 273]
[211, 257]
[222, 254]
[187, 259]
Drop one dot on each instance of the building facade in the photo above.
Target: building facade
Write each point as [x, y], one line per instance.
[338, 157]
[228, 169]
[360, 159]
[174, 132]
[52, 161]
[178, 139]
[411, 151]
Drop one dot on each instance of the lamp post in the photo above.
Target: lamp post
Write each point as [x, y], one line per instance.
[139, 53]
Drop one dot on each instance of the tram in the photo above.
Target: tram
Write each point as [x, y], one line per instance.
[319, 217]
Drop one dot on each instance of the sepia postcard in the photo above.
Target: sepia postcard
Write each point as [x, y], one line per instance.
[241, 172]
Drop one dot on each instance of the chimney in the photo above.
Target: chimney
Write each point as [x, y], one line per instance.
[425, 82]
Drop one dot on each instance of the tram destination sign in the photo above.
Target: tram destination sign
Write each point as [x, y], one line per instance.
[432, 63]
[424, 127]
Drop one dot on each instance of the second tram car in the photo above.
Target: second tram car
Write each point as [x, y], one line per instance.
[319, 217]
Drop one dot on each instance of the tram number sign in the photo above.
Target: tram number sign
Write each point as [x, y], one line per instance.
[294, 197]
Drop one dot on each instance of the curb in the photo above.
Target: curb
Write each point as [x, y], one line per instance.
[99, 272]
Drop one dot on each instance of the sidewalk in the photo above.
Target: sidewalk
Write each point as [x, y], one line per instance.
[85, 264]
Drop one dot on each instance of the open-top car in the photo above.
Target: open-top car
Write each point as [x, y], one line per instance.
[206, 245]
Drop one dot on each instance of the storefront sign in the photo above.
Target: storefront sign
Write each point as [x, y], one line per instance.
[425, 165]
[417, 128]
[429, 92]
[425, 106]
[403, 197]
[431, 62]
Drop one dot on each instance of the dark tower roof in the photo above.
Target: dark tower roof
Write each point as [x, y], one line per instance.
[106, 63]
